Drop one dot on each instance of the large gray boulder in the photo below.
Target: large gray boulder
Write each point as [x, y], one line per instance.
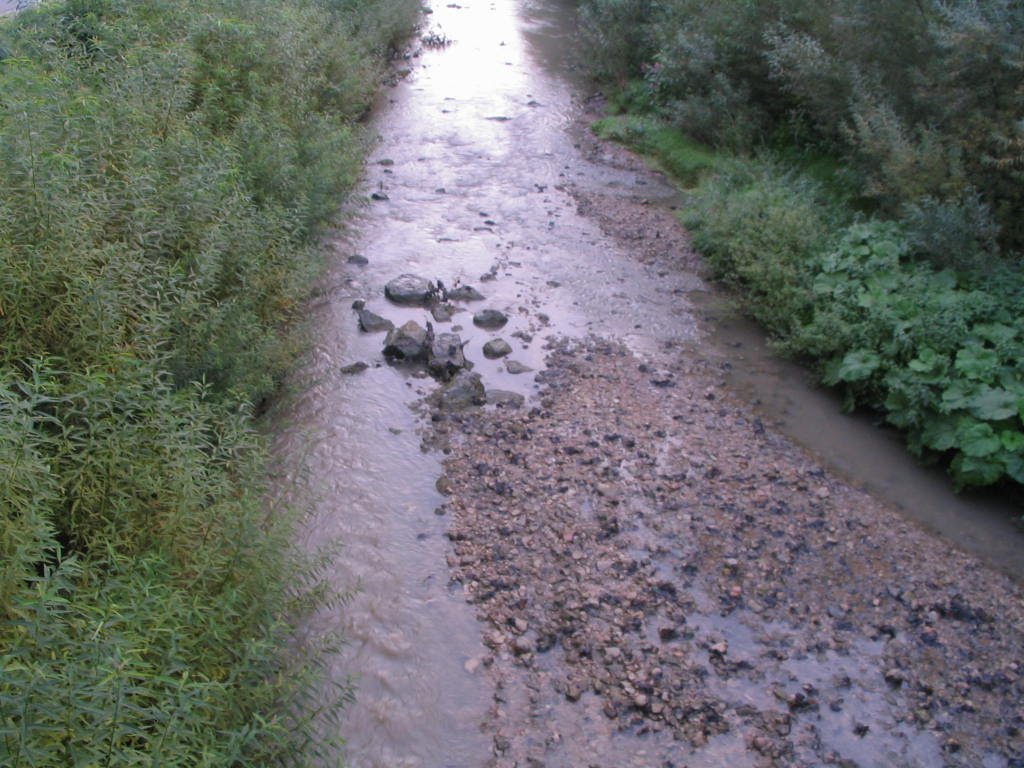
[408, 343]
[465, 293]
[411, 291]
[496, 348]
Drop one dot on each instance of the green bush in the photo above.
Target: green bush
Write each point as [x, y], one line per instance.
[939, 353]
[760, 227]
[167, 166]
[921, 99]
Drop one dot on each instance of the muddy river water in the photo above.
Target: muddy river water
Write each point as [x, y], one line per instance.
[478, 148]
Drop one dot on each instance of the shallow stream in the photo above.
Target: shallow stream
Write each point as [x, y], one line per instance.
[475, 153]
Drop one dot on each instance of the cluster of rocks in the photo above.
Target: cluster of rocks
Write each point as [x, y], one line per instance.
[441, 353]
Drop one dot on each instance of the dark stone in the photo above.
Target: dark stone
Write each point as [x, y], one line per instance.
[503, 398]
[410, 290]
[464, 391]
[373, 323]
[442, 313]
[465, 293]
[359, 367]
[496, 348]
[379, 196]
[490, 319]
[407, 343]
[444, 357]
[514, 367]
[357, 260]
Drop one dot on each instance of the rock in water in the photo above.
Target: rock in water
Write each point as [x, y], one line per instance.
[464, 391]
[373, 323]
[514, 367]
[496, 348]
[442, 313]
[445, 357]
[490, 319]
[406, 343]
[410, 291]
[354, 368]
[503, 398]
[465, 293]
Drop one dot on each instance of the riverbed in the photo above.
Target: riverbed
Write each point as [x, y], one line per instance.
[483, 174]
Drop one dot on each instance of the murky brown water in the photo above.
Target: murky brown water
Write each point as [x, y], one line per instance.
[474, 155]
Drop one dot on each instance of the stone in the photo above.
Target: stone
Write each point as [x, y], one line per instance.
[465, 293]
[354, 368]
[496, 348]
[504, 398]
[442, 313]
[490, 319]
[522, 645]
[410, 290]
[371, 322]
[357, 260]
[515, 368]
[444, 356]
[465, 390]
[408, 343]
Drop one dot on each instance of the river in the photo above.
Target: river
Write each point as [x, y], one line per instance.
[478, 148]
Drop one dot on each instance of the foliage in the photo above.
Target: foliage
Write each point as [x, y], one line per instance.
[941, 353]
[167, 166]
[923, 100]
[758, 225]
[865, 199]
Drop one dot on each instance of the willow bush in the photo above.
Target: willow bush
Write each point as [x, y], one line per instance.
[922, 100]
[166, 168]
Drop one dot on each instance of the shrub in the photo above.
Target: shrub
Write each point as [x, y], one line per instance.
[167, 167]
[760, 228]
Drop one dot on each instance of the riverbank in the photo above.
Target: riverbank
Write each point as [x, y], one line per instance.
[168, 170]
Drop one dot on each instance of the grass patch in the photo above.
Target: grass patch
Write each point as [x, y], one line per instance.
[685, 160]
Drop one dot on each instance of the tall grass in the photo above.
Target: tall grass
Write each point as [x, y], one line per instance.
[166, 166]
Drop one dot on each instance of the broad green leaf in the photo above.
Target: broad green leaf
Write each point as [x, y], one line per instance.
[1012, 440]
[997, 333]
[930, 364]
[993, 404]
[976, 438]
[940, 434]
[971, 470]
[900, 410]
[976, 362]
[858, 365]
[958, 395]
[1014, 466]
